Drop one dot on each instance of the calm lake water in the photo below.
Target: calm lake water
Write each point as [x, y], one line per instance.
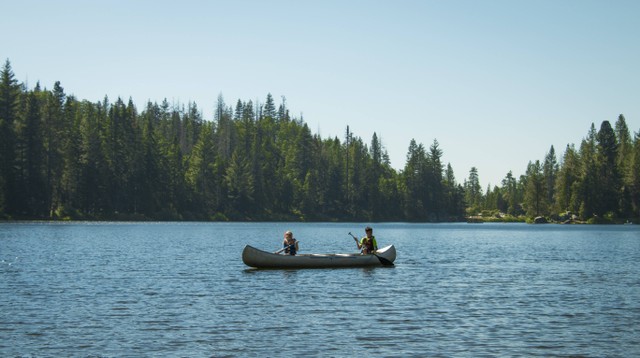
[181, 289]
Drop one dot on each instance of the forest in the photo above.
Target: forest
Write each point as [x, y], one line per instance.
[63, 158]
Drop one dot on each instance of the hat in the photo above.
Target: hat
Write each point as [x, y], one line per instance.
[368, 228]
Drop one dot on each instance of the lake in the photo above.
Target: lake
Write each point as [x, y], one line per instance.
[181, 289]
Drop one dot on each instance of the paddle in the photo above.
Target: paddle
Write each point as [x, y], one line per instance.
[383, 261]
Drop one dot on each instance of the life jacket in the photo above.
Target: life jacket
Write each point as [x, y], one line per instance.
[369, 245]
[290, 249]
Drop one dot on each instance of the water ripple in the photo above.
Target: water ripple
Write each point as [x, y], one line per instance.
[110, 289]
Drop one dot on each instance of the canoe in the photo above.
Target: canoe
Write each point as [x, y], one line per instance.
[262, 259]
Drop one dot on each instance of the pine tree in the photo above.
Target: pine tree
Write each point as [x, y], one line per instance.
[413, 184]
[588, 188]
[30, 155]
[225, 131]
[95, 171]
[149, 177]
[9, 93]
[239, 182]
[270, 108]
[635, 177]
[71, 158]
[453, 202]
[375, 175]
[331, 172]
[54, 133]
[536, 191]
[435, 178]
[624, 162]
[550, 173]
[510, 194]
[359, 205]
[567, 182]
[608, 179]
[473, 192]
[201, 173]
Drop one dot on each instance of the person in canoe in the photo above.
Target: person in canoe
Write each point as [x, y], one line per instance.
[290, 244]
[367, 244]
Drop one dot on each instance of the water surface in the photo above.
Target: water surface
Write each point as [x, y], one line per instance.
[181, 289]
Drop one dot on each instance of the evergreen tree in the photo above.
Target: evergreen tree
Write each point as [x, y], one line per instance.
[608, 178]
[588, 188]
[625, 145]
[454, 195]
[54, 133]
[9, 93]
[434, 180]
[178, 192]
[95, 171]
[510, 194]
[359, 205]
[550, 173]
[239, 182]
[283, 112]
[536, 191]
[273, 191]
[71, 175]
[191, 127]
[225, 131]
[374, 178]
[270, 108]
[473, 192]
[149, 175]
[634, 180]
[332, 161]
[624, 162]
[494, 200]
[29, 155]
[245, 127]
[200, 175]
[567, 198]
[413, 184]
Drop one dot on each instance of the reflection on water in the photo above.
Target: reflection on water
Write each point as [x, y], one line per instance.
[180, 289]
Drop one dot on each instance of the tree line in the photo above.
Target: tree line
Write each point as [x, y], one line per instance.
[61, 157]
[599, 181]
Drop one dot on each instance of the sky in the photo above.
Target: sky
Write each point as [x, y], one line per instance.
[496, 83]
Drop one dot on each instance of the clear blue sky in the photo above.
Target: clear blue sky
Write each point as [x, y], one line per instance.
[495, 82]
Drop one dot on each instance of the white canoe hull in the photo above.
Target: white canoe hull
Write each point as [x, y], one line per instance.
[262, 259]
